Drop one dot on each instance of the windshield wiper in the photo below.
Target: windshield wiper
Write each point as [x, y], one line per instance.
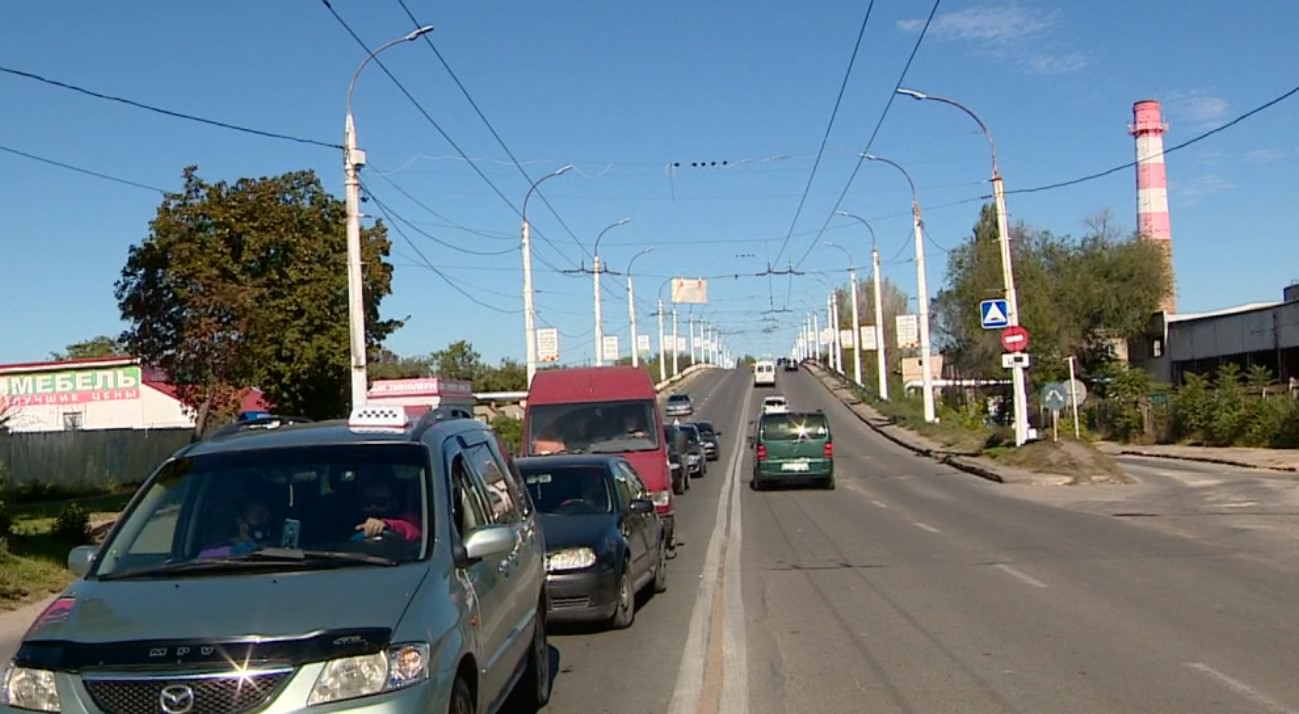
[258, 559]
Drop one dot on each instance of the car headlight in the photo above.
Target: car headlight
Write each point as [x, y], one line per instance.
[569, 559]
[33, 689]
[398, 667]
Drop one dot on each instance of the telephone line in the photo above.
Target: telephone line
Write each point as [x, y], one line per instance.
[78, 169]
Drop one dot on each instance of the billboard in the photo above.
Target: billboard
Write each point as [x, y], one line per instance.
[908, 331]
[71, 386]
[609, 347]
[693, 291]
[643, 344]
[548, 344]
[868, 341]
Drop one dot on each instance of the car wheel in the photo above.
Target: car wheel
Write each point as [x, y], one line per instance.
[625, 614]
[677, 486]
[661, 571]
[534, 688]
[462, 699]
[828, 484]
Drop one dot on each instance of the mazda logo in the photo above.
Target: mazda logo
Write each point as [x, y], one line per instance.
[176, 699]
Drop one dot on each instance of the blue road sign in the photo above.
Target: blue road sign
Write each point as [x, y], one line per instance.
[1055, 396]
[994, 314]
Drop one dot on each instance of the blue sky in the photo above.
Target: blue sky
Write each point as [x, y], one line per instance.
[623, 91]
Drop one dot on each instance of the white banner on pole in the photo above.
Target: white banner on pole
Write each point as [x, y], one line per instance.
[693, 291]
[681, 344]
[610, 348]
[845, 339]
[643, 344]
[868, 341]
[908, 331]
[827, 334]
[548, 344]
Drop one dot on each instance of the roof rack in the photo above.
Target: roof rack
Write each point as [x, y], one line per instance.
[258, 422]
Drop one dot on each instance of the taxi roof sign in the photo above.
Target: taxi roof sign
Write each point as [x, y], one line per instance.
[375, 417]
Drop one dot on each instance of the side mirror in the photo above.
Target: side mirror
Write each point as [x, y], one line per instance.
[80, 558]
[487, 542]
[641, 505]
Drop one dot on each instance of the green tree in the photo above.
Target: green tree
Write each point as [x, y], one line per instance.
[1076, 297]
[100, 346]
[458, 361]
[509, 376]
[245, 284]
[384, 364]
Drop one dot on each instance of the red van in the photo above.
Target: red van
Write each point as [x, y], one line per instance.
[609, 410]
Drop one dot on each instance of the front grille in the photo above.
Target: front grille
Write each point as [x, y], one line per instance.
[221, 694]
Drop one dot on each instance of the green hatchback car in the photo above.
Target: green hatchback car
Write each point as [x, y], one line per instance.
[793, 447]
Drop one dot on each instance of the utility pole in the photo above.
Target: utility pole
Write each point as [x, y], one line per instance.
[631, 318]
[529, 308]
[599, 322]
[663, 349]
[881, 361]
[676, 343]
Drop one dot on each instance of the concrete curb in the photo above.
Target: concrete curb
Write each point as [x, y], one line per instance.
[947, 459]
[1206, 460]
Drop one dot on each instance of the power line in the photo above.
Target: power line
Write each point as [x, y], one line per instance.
[433, 122]
[453, 224]
[874, 133]
[78, 169]
[465, 91]
[167, 112]
[383, 207]
[825, 139]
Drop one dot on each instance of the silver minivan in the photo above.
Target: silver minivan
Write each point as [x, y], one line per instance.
[373, 565]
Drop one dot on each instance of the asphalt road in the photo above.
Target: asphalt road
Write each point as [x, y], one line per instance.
[916, 588]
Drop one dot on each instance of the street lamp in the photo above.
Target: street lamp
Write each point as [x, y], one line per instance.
[881, 358]
[631, 307]
[663, 366]
[922, 288]
[353, 160]
[1007, 271]
[529, 311]
[856, 321]
[599, 323]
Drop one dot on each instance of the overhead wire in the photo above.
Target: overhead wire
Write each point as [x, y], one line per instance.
[80, 170]
[168, 112]
[397, 216]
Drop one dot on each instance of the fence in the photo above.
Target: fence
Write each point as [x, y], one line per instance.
[85, 460]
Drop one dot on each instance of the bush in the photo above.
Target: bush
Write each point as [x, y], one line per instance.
[6, 520]
[73, 524]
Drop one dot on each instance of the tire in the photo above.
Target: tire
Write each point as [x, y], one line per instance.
[462, 698]
[828, 484]
[625, 612]
[661, 572]
[678, 487]
[533, 690]
[755, 484]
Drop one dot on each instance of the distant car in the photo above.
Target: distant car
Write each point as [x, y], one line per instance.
[791, 365]
[764, 373]
[793, 446]
[676, 459]
[696, 462]
[774, 404]
[708, 435]
[679, 405]
[604, 544]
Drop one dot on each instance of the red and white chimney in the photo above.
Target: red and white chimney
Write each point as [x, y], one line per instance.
[1148, 127]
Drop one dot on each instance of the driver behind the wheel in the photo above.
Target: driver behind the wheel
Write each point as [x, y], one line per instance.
[383, 512]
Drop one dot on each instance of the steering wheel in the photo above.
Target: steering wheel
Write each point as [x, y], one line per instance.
[577, 505]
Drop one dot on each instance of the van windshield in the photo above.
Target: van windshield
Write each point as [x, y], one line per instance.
[593, 427]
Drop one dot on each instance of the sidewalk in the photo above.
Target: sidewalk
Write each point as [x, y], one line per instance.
[1286, 460]
[14, 624]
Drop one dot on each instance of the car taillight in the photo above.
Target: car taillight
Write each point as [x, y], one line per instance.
[829, 450]
[762, 453]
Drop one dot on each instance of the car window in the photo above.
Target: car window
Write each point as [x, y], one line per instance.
[596, 427]
[791, 427]
[638, 486]
[222, 505]
[468, 501]
[626, 491]
[512, 469]
[501, 495]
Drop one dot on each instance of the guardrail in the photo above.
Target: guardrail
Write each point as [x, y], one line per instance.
[692, 369]
[482, 397]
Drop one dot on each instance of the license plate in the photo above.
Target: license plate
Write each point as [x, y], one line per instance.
[794, 466]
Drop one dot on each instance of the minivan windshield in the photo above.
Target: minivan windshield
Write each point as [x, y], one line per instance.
[598, 427]
[792, 427]
[276, 508]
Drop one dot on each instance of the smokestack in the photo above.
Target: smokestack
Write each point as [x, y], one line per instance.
[1152, 186]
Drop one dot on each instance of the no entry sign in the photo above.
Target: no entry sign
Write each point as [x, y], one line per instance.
[1014, 339]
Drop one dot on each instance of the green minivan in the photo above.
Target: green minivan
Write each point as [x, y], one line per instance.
[793, 446]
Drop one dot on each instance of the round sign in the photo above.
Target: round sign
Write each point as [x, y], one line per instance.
[1075, 391]
[1014, 339]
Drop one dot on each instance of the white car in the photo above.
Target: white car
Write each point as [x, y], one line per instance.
[774, 405]
[764, 373]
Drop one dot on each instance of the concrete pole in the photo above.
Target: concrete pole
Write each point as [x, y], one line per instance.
[881, 360]
[690, 319]
[353, 161]
[631, 319]
[599, 326]
[856, 330]
[922, 297]
[676, 341]
[663, 349]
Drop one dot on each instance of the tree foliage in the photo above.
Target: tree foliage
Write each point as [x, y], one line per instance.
[99, 346]
[244, 284]
[1075, 296]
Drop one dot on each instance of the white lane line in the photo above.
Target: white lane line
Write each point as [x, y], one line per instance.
[1021, 575]
[925, 527]
[1241, 688]
[879, 504]
[690, 673]
[735, 649]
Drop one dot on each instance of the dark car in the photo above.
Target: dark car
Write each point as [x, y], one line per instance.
[696, 461]
[676, 443]
[708, 435]
[793, 446]
[791, 365]
[604, 542]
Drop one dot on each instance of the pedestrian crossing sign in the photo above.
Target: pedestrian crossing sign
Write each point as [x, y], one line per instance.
[994, 314]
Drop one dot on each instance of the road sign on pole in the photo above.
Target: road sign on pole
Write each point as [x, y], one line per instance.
[1014, 339]
[993, 314]
[1055, 396]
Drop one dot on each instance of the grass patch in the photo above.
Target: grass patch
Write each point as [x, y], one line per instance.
[39, 517]
[1067, 457]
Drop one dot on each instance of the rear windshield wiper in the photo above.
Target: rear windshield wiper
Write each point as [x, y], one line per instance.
[259, 559]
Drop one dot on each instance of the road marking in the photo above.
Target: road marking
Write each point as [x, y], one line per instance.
[686, 693]
[1018, 574]
[1241, 688]
[926, 527]
[880, 504]
[735, 649]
